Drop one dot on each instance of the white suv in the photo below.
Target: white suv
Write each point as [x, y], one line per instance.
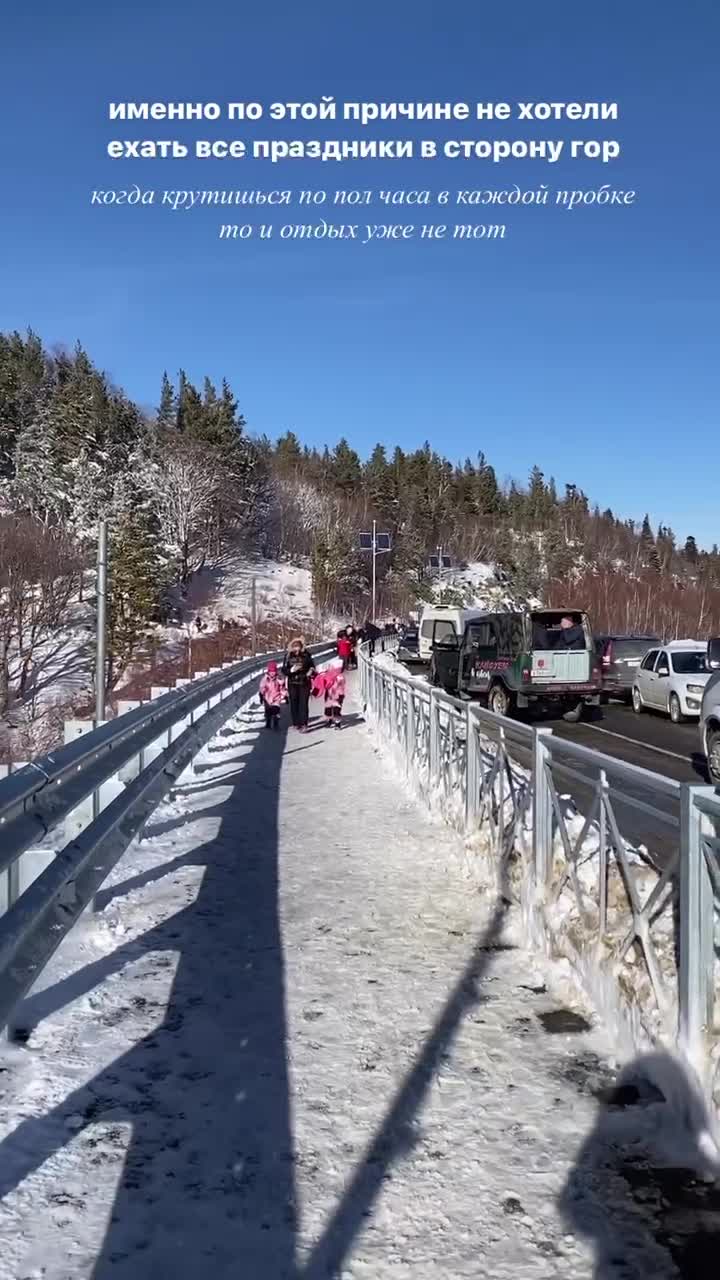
[672, 679]
[710, 713]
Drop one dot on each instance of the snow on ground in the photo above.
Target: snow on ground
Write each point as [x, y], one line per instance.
[296, 1042]
[282, 591]
[481, 586]
[63, 667]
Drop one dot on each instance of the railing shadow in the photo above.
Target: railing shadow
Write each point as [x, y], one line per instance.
[208, 1173]
[208, 1177]
[642, 1186]
[396, 1135]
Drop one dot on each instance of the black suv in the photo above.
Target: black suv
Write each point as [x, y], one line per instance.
[620, 657]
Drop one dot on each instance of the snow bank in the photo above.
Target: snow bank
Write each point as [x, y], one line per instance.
[612, 971]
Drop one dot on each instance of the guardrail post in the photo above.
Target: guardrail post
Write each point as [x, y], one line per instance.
[542, 810]
[154, 749]
[82, 814]
[204, 706]
[434, 762]
[184, 721]
[472, 769]
[695, 983]
[410, 729]
[137, 764]
[603, 855]
[216, 697]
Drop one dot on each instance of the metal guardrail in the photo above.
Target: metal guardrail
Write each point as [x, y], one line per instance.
[648, 933]
[64, 796]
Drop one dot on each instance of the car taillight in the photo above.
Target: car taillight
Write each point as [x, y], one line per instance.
[607, 656]
[526, 675]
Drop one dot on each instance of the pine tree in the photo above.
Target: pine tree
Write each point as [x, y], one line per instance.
[690, 550]
[167, 410]
[379, 483]
[537, 501]
[345, 470]
[137, 580]
[487, 494]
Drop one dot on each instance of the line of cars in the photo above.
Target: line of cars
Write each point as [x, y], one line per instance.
[550, 659]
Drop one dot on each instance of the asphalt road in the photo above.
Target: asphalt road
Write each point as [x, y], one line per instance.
[649, 741]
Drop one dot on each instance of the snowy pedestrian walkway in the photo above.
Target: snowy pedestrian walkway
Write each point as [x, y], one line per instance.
[295, 1044]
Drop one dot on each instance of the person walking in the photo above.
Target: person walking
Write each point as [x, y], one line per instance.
[299, 670]
[344, 648]
[272, 695]
[351, 634]
[371, 634]
[334, 693]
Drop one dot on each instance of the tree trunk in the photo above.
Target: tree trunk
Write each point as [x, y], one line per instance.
[25, 674]
[4, 678]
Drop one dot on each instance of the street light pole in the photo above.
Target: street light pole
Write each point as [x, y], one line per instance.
[101, 623]
[378, 544]
[374, 557]
[253, 616]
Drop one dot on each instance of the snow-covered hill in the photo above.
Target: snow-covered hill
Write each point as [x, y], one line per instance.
[479, 585]
[283, 592]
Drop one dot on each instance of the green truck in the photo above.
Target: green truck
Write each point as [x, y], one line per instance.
[545, 659]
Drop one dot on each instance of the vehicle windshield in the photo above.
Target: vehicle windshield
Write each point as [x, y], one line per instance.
[689, 664]
[632, 648]
[410, 634]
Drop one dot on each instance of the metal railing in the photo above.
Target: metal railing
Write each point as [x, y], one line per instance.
[66, 818]
[639, 928]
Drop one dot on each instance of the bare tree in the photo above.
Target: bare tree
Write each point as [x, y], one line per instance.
[189, 483]
[38, 574]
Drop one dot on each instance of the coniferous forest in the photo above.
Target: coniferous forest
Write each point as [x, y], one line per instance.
[184, 481]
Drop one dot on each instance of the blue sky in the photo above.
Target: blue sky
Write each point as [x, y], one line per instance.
[586, 341]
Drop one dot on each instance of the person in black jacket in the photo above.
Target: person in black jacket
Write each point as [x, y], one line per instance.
[298, 669]
[571, 635]
[372, 634]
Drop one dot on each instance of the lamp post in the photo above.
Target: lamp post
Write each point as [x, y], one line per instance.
[378, 544]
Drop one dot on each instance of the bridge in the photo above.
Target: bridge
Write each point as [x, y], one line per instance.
[361, 1004]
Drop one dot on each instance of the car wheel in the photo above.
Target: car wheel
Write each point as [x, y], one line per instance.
[676, 714]
[637, 701]
[499, 700]
[574, 714]
[713, 756]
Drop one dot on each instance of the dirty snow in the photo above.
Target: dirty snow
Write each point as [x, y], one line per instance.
[298, 1042]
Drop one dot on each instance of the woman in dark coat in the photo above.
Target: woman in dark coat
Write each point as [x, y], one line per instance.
[298, 669]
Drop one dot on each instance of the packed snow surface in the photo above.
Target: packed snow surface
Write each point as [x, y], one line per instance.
[297, 1042]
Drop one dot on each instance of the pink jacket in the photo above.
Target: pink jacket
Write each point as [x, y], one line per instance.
[272, 689]
[334, 688]
[320, 683]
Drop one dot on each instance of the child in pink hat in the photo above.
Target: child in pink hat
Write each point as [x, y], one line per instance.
[272, 695]
[334, 692]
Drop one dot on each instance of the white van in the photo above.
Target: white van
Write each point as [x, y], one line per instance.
[440, 622]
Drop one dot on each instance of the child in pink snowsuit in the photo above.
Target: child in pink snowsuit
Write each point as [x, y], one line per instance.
[334, 692]
[272, 695]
